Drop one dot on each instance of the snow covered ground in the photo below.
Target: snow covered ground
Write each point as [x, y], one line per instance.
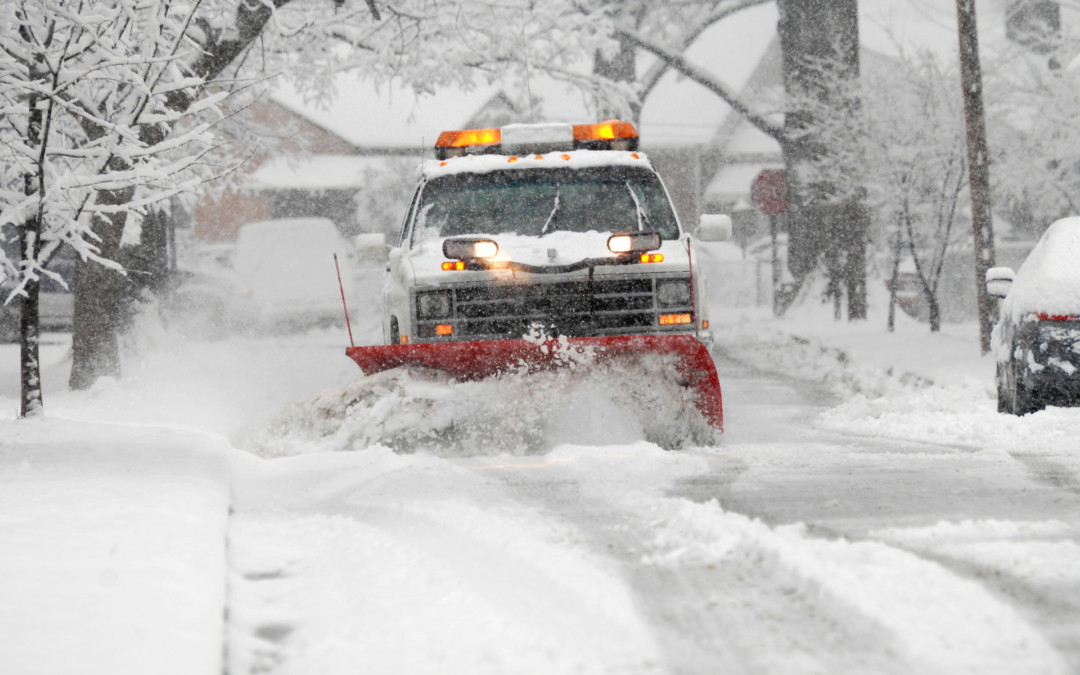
[866, 511]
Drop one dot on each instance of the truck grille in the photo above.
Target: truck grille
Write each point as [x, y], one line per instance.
[579, 308]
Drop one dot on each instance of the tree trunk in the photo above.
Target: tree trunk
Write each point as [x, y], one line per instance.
[935, 311]
[31, 403]
[621, 68]
[856, 226]
[102, 295]
[817, 29]
[978, 163]
[894, 280]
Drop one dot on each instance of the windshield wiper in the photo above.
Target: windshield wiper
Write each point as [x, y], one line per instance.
[554, 211]
[642, 216]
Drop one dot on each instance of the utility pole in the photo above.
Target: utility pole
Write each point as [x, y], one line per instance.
[978, 162]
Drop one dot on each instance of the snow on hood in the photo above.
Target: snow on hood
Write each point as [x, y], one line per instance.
[1049, 280]
[574, 159]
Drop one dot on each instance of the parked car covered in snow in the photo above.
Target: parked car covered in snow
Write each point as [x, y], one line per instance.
[286, 268]
[56, 301]
[1037, 338]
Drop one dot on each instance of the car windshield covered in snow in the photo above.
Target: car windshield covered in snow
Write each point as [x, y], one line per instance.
[535, 202]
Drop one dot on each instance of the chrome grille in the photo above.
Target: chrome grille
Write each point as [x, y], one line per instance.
[580, 308]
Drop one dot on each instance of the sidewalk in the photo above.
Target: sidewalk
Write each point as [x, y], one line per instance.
[112, 549]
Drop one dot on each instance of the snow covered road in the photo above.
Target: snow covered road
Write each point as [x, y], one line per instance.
[789, 548]
[853, 519]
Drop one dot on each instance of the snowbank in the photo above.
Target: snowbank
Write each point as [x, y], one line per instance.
[932, 619]
[113, 541]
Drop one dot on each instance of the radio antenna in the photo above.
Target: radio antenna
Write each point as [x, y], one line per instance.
[528, 84]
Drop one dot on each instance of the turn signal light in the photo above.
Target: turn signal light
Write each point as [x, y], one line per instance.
[674, 319]
[451, 266]
[652, 257]
[444, 329]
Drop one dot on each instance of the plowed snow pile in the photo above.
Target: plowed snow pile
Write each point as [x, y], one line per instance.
[414, 409]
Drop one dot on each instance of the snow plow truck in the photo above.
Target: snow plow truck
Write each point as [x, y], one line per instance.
[535, 246]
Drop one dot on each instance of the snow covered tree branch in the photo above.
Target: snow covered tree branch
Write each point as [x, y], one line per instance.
[79, 84]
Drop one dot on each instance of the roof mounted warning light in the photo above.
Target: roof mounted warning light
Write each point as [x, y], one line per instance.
[521, 139]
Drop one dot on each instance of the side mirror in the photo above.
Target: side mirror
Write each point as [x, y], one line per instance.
[371, 247]
[999, 281]
[714, 227]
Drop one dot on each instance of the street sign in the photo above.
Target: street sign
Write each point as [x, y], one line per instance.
[769, 193]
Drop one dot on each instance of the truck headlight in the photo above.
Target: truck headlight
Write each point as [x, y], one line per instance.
[637, 242]
[670, 293]
[433, 305]
[464, 249]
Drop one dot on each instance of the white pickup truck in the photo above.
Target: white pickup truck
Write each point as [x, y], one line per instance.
[563, 228]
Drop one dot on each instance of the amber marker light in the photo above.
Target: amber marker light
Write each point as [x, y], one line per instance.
[652, 257]
[404, 339]
[566, 157]
[674, 319]
[455, 265]
[705, 324]
[444, 329]
[512, 160]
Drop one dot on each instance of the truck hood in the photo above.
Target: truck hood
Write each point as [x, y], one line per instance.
[569, 248]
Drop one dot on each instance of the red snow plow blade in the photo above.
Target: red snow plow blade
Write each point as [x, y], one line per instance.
[477, 360]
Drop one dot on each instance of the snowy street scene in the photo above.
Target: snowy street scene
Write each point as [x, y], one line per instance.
[585, 336]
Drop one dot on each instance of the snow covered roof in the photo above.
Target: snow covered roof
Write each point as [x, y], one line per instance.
[733, 180]
[390, 117]
[315, 172]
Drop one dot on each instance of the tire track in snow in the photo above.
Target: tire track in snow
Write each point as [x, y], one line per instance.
[410, 565]
[726, 591]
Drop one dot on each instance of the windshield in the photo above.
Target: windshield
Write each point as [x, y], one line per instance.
[536, 202]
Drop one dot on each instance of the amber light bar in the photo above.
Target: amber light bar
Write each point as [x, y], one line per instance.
[652, 257]
[605, 131]
[444, 329]
[455, 265]
[468, 137]
[524, 139]
[674, 319]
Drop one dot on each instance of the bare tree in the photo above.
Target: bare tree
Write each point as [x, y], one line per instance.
[825, 221]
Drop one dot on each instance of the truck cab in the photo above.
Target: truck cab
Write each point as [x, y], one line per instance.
[542, 230]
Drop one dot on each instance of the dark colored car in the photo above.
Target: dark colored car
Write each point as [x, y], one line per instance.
[1037, 339]
[56, 304]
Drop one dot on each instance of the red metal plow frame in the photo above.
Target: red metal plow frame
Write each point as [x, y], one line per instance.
[477, 360]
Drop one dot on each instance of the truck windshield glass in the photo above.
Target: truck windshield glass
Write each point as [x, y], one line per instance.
[538, 202]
